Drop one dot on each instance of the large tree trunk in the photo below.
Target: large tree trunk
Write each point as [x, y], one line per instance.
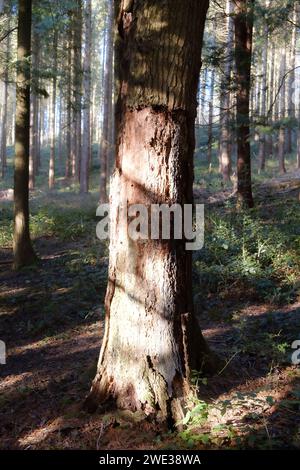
[152, 339]
[23, 251]
[86, 142]
[243, 56]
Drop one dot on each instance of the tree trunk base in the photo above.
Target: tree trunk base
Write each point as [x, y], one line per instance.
[153, 393]
[26, 258]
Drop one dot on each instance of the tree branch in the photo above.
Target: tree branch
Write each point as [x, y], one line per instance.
[279, 88]
[8, 33]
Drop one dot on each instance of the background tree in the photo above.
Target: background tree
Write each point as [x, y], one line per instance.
[23, 251]
[225, 155]
[86, 144]
[243, 58]
[107, 103]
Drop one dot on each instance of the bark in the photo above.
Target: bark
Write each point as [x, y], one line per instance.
[22, 247]
[203, 86]
[225, 155]
[94, 126]
[271, 117]
[298, 141]
[3, 145]
[298, 146]
[51, 180]
[61, 125]
[152, 339]
[297, 17]
[76, 90]
[258, 89]
[282, 130]
[68, 171]
[210, 119]
[78, 81]
[262, 137]
[33, 158]
[291, 81]
[107, 108]
[243, 56]
[74, 101]
[86, 144]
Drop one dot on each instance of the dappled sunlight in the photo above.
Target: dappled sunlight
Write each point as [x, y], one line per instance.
[162, 102]
[9, 383]
[14, 291]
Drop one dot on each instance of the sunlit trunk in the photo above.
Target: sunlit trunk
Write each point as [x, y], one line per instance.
[152, 339]
[22, 247]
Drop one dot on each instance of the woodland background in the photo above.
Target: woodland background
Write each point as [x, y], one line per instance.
[246, 279]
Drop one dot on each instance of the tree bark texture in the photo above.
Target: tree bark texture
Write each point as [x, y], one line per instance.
[152, 339]
[243, 56]
[22, 247]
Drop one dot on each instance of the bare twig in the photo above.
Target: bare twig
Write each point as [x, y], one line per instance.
[8, 33]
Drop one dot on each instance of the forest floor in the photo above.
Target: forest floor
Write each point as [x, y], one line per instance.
[247, 298]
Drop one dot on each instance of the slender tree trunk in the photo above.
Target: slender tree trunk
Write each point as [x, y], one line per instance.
[22, 247]
[53, 116]
[41, 111]
[68, 170]
[291, 81]
[243, 56]
[298, 144]
[108, 66]
[93, 122]
[31, 154]
[4, 111]
[152, 339]
[76, 80]
[282, 130]
[225, 156]
[271, 118]
[74, 88]
[264, 100]
[297, 15]
[86, 144]
[258, 88]
[203, 86]
[34, 110]
[78, 90]
[61, 133]
[210, 119]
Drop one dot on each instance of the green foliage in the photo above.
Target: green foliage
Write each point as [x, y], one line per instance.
[253, 250]
[200, 428]
[52, 221]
